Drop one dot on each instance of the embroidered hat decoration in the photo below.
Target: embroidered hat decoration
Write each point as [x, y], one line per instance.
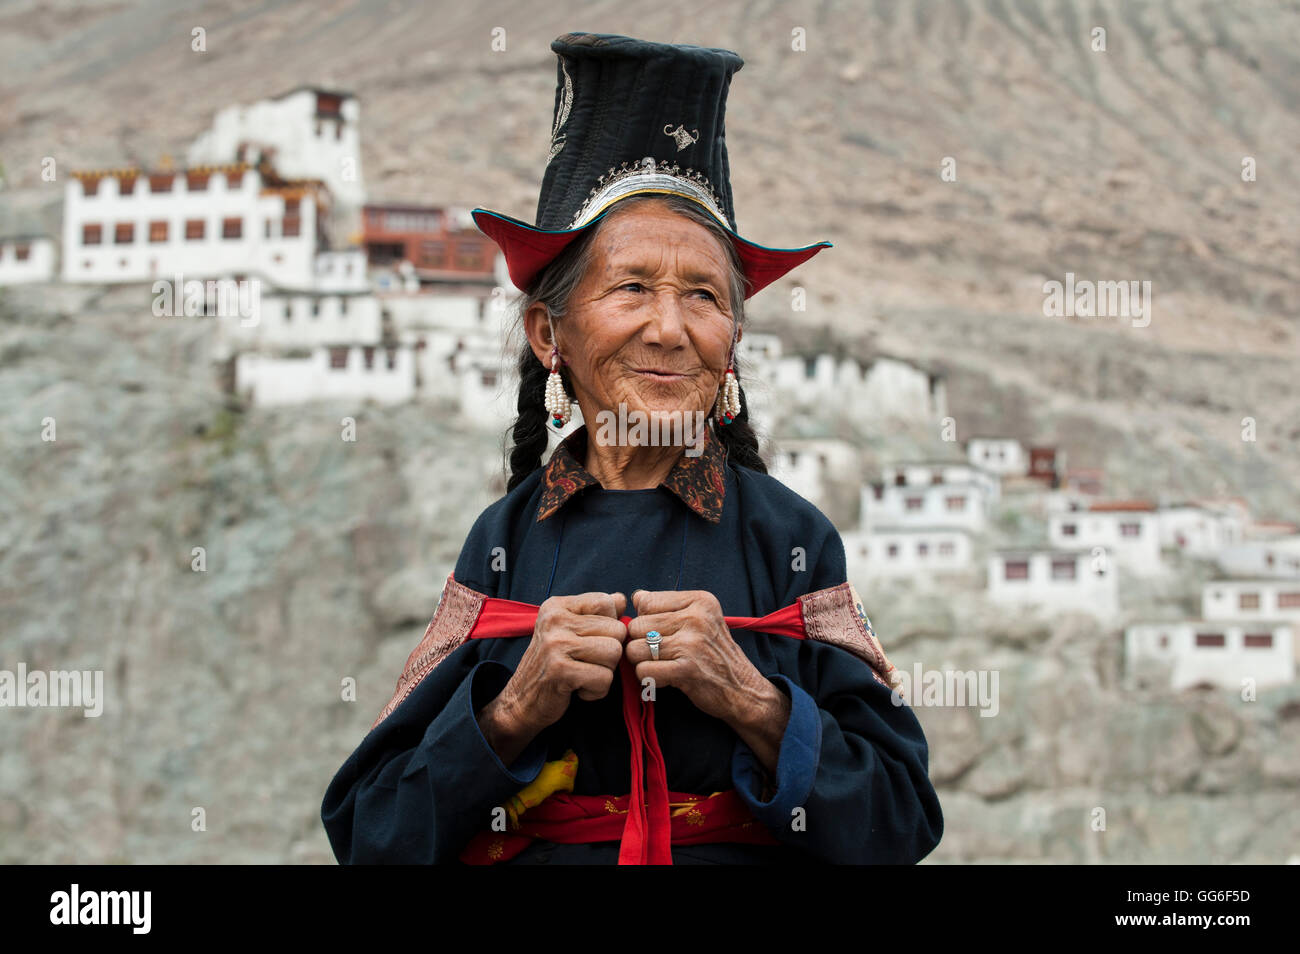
[633, 117]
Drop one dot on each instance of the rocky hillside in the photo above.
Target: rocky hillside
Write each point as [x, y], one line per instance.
[324, 557]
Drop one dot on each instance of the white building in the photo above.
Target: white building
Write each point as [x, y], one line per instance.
[1130, 531]
[199, 223]
[343, 270]
[383, 375]
[806, 465]
[887, 387]
[1053, 580]
[311, 133]
[1278, 557]
[956, 505]
[1251, 599]
[1218, 652]
[918, 552]
[291, 322]
[26, 258]
[998, 455]
[929, 473]
[487, 391]
[1197, 530]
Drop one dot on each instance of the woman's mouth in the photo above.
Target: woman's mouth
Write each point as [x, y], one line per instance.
[660, 374]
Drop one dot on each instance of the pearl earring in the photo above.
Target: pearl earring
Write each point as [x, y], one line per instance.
[557, 402]
[728, 404]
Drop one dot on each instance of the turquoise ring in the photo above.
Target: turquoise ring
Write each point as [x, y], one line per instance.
[653, 639]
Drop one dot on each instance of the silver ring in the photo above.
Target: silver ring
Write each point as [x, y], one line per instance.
[653, 639]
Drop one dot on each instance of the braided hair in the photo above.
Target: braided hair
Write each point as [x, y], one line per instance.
[528, 436]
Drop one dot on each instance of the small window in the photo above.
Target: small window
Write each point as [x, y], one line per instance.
[432, 254]
[899, 479]
[92, 234]
[1017, 570]
[1248, 601]
[892, 550]
[946, 549]
[957, 503]
[391, 354]
[89, 187]
[197, 181]
[315, 307]
[368, 353]
[1164, 640]
[923, 550]
[126, 185]
[877, 491]
[161, 182]
[1064, 568]
[489, 379]
[338, 358]
[234, 180]
[343, 306]
[915, 503]
[936, 477]
[157, 231]
[1288, 600]
[124, 233]
[1258, 640]
[1130, 529]
[232, 228]
[1210, 640]
[22, 251]
[195, 229]
[290, 226]
[1069, 530]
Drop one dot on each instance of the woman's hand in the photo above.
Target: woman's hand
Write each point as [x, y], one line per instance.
[576, 647]
[699, 656]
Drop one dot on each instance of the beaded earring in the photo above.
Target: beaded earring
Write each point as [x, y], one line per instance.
[727, 407]
[557, 402]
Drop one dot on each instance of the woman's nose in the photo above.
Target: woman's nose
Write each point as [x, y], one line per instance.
[668, 322]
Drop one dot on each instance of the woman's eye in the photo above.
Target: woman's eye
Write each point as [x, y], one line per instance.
[635, 286]
[706, 292]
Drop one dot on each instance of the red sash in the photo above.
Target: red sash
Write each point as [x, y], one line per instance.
[579, 819]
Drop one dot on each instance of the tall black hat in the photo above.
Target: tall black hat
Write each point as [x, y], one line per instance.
[633, 117]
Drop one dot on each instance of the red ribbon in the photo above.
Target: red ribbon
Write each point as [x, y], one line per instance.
[647, 833]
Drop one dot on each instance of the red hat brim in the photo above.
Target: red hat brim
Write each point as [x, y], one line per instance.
[528, 250]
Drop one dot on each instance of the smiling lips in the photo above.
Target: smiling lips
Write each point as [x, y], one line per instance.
[659, 374]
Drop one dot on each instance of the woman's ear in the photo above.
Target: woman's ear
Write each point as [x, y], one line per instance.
[537, 328]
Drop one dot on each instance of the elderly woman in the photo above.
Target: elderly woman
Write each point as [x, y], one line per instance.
[647, 652]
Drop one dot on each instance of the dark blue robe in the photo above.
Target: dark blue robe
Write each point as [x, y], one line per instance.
[424, 780]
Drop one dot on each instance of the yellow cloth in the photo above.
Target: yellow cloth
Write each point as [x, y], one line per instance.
[554, 777]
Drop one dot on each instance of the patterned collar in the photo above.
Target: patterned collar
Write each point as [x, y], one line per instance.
[699, 481]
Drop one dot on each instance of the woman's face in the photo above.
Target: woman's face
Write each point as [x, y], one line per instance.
[650, 324]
